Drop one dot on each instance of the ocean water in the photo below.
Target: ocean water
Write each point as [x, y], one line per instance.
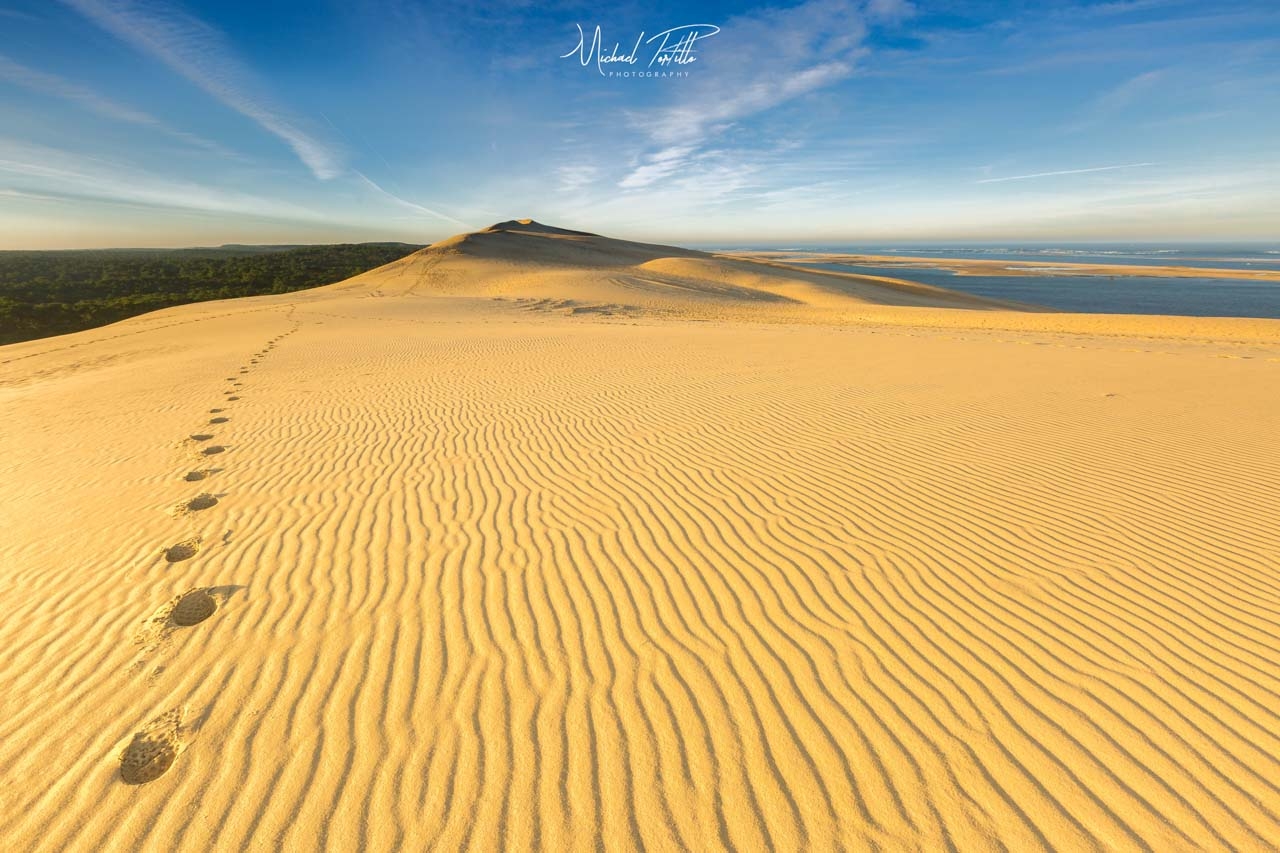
[1090, 294]
[1220, 255]
[1093, 294]
[1244, 256]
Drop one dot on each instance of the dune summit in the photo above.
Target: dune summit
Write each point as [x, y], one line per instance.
[537, 539]
[528, 226]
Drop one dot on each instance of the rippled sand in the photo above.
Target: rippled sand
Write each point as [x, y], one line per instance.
[543, 541]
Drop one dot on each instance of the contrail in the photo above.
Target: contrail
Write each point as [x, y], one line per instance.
[405, 203]
[1063, 172]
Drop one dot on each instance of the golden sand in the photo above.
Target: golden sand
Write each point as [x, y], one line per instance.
[537, 540]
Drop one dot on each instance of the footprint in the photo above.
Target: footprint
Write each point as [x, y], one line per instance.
[215, 411]
[218, 420]
[192, 608]
[195, 476]
[213, 451]
[184, 550]
[199, 502]
[153, 749]
[201, 436]
[182, 611]
[202, 501]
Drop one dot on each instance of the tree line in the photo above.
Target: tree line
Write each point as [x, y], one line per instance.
[46, 293]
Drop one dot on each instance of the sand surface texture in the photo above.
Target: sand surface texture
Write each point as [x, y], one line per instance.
[535, 540]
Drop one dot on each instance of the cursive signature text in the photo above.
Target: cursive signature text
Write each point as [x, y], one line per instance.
[675, 47]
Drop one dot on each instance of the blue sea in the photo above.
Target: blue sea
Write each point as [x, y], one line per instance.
[1094, 294]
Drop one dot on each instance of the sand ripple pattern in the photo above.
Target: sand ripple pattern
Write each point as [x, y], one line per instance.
[566, 584]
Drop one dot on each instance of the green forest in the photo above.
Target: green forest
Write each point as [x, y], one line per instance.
[46, 293]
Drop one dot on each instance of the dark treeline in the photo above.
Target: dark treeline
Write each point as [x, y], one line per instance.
[52, 293]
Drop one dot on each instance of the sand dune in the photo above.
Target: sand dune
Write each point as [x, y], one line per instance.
[540, 540]
[530, 260]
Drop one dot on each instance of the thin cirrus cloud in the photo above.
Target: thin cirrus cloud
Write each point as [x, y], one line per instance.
[658, 166]
[575, 176]
[55, 86]
[1127, 92]
[1117, 100]
[1063, 172]
[64, 175]
[199, 53]
[776, 56]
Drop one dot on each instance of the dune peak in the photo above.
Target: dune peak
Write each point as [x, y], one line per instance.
[533, 226]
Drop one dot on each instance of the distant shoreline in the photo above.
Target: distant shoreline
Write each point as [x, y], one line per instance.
[970, 266]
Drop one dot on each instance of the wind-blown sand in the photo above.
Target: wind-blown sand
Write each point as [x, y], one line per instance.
[541, 540]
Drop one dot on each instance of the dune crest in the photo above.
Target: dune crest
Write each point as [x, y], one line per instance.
[524, 258]
[540, 540]
[528, 226]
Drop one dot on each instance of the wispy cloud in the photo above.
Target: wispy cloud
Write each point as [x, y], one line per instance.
[575, 176]
[200, 53]
[1117, 101]
[699, 118]
[12, 193]
[62, 174]
[1063, 172]
[657, 166]
[57, 87]
[891, 11]
[409, 205]
[1121, 96]
[761, 61]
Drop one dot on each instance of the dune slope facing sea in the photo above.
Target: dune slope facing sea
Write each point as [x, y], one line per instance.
[539, 540]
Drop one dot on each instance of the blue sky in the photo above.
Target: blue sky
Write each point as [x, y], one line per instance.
[160, 123]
